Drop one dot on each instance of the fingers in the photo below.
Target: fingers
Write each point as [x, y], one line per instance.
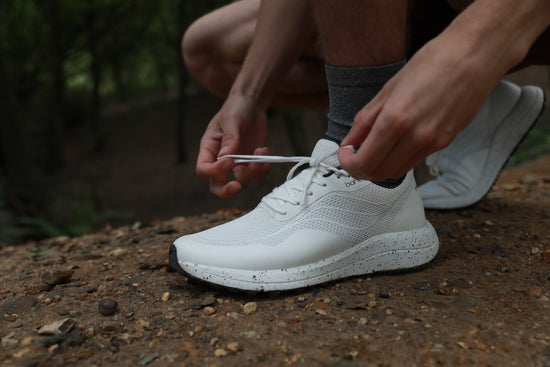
[244, 173]
[223, 189]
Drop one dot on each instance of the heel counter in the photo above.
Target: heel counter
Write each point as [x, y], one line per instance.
[411, 213]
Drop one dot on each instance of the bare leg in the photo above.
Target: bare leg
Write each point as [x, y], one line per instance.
[361, 33]
[215, 46]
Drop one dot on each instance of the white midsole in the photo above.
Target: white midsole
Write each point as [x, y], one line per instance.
[385, 252]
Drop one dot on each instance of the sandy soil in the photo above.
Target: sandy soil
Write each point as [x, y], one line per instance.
[484, 301]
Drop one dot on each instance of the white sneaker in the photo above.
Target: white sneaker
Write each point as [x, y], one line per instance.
[469, 166]
[318, 226]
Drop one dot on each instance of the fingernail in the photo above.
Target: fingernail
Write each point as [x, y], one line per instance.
[223, 150]
[350, 147]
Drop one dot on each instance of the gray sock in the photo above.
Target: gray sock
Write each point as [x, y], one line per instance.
[349, 90]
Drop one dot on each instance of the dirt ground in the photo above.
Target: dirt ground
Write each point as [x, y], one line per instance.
[484, 301]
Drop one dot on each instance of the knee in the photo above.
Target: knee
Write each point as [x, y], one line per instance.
[196, 45]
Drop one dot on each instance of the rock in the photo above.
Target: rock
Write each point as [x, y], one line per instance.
[233, 347]
[53, 296]
[21, 353]
[165, 296]
[91, 289]
[421, 286]
[220, 352]
[119, 252]
[10, 317]
[74, 339]
[111, 327]
[145, 361]
[55, 277]
[384, 294]
[107, 306]
[57, 327]
[250, 307]
[209, 310]
[9, 340]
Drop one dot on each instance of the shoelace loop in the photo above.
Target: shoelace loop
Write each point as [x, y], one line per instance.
[432, 161]
[284, 193]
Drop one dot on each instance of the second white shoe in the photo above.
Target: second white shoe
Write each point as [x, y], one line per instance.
[318, 226]
[468, 167]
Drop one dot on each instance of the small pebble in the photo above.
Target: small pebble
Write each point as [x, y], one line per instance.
[250, 307]
[421, 286]
[10, 317]
[208, 310]
[220, 352]
[111, 327]
[54, 277]
[107, 306]
[58, 327]
[165, 296]
[234, 347]
[384, 294]
[91, 289]
[165, 230]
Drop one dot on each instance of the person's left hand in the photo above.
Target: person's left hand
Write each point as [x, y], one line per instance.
[419, 111]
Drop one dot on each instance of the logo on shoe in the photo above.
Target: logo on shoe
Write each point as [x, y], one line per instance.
[351, 183]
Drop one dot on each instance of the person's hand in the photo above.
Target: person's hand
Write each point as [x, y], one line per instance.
[240, 127]
[419, 111]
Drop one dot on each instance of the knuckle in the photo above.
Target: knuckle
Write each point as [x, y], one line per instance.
[398, 122]
[441, 141]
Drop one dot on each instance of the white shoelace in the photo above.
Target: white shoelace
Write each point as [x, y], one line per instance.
[286, 192]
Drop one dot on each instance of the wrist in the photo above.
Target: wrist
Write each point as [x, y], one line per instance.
[250, 90]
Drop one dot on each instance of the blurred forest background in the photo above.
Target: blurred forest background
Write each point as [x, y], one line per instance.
[100, 121]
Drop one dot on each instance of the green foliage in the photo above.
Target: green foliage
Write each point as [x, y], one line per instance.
[536, 143]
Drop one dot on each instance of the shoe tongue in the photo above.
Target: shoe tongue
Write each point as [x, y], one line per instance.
[324, 147]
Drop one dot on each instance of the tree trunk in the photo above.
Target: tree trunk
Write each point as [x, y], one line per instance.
[54, 122]
[183, 80]
[96, 72]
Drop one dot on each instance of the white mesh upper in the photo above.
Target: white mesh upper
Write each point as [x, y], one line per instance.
[351, 213]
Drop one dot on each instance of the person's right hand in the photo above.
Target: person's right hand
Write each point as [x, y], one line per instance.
[240, 127]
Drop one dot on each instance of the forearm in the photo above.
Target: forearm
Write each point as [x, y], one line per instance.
[495, 35]
[283, 29]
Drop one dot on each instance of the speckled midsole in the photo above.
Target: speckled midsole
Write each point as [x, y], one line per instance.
[385, 252]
